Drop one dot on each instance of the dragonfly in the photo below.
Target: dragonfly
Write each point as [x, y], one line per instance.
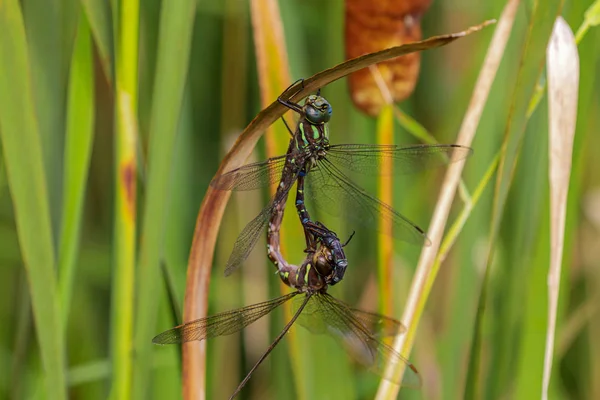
[323, 246]
[360, 332]
[327, 168]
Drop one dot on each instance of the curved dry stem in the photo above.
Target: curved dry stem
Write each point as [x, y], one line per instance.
[213, 205]
[418, 292]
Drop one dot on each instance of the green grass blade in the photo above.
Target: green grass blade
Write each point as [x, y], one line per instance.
[50, 28]
[533, 55]
[126, 106]
[521, 321]
[99, 17]
[592, 18]
[90, 372]
[78, 147]
[24, 166]
[176, 23]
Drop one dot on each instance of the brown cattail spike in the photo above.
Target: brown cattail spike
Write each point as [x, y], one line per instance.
[373, 25]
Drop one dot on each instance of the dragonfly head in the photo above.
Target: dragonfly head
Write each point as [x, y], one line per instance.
[340, 269]
[317, 110]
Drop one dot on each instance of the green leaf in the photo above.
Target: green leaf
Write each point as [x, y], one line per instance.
[50, 30]
[23, 157]
[99, 17]
[592, 14]
[78, 147]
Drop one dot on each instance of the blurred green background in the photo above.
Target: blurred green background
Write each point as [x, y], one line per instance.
[82, 270]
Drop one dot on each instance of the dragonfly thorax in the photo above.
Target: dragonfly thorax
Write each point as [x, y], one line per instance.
[312, 141]
[313, 157]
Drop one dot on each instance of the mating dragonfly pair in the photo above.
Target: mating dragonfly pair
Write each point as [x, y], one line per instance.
[319, 170]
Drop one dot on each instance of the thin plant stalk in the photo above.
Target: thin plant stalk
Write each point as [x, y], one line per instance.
[125, 198]
[385, 182]
[385, 135]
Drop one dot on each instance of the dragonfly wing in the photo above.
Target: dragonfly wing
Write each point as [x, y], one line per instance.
[247, 239]
[368, 158]
[251, 176]
[379, 325]
[326, 314]
[333, 192]
[225, 323]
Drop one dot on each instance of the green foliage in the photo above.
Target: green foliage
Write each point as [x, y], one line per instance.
[197, 90]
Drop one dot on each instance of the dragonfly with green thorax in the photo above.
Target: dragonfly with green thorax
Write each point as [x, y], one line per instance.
[327, 169]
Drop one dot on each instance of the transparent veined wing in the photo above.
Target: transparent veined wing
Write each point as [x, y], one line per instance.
[332, 191]
[325, 314]
[368, 158]
[251, 176]
[225, 323]
[247, 239]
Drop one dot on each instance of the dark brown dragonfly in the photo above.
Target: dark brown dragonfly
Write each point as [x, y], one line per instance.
[327, 168]
[359, 331]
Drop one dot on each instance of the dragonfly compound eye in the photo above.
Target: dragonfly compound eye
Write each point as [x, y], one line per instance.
[318, 111]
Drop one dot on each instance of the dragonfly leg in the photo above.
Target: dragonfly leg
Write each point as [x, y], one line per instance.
[349, 239]
[311, 243]
[290, 104]
[301, 80]
[287, 126]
